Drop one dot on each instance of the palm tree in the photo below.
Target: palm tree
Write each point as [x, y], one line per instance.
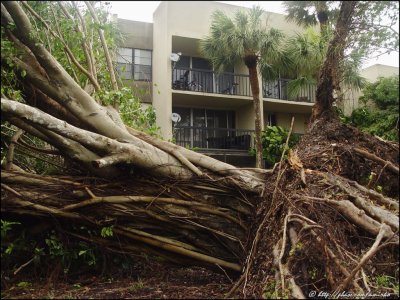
[312, 13]
[306, 53]
[324, 14]
[244, 38]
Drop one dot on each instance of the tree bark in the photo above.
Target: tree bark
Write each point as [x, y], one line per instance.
[251, 63]
[330, 69]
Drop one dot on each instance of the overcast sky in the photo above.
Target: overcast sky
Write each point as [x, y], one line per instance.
[143, 11]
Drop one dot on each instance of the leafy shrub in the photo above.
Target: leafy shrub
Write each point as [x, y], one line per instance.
[382, 118]
[384, 92]
[273, 140]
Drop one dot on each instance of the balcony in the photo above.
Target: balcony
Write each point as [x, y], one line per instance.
[213, 138]
[197, 80]
[278, 89]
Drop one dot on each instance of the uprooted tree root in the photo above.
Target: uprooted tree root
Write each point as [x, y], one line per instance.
[321, 226]
[325, 232]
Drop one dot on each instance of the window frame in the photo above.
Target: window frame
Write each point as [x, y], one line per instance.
[133, 64]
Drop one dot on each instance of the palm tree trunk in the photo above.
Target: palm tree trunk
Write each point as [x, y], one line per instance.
[255, 89]
[322, 15]
[329, 71]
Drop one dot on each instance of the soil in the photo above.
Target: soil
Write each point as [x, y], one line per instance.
[327, 147]
[148, 280]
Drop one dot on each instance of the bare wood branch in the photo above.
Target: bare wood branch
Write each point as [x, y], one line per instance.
[377, 159]
[46, 151]
[84, 42]
[105, 48]
[39, 207]
[382, 215]
[281, 160]
[353, 213]
[383, 231]
[390, 203]
[140, 156]
[11, 147]
[182, 251]
[66, 47]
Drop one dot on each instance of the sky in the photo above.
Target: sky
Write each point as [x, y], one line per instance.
[143, 11]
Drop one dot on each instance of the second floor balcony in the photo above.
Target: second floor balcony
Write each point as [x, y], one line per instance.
[204, 81]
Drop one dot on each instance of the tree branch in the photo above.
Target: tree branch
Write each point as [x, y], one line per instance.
[66, 48]
[105, 48]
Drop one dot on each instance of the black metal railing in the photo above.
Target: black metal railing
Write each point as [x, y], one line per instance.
[213, 138]
[197, 80]
[278, 89]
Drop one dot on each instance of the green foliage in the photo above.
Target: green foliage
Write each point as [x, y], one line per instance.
[231, 40]
[7, 247]
[380, 113]
[6, 226]
[273, 142]
[385, 281]
[132, 111]
[136, 286]
[52, 247]
[23, 284]
[373, 24]
[107, 231]
[384, 92]
[88, 253]
[269, 291]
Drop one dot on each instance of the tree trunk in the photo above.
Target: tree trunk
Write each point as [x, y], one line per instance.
[329, 71]
[251, 63]
[322, 15]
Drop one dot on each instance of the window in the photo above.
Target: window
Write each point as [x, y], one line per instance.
[270, 119]
[200, 117]
[124, 63]
[199, 127]
[142, 65]
[134, 64]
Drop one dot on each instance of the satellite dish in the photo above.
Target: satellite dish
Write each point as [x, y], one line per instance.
[175, 117]
[175, 57]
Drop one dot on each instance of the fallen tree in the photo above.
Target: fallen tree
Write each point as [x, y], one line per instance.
[285, 231]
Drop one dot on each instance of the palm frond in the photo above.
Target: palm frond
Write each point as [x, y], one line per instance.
[301, 12]
[298, 85]
[232, 39]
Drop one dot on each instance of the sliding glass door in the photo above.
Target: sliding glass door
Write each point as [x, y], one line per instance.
[203, 128]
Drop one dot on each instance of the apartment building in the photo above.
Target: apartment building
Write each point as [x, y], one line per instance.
[371, 74]
[195, 106]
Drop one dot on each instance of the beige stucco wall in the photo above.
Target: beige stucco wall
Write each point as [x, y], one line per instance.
[193, 18]
[245, 117]
[300, 121]
[162, 47]
[136, 34]
[371, 74]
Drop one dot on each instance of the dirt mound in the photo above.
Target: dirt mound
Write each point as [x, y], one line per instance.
[315, 223]
[329, 146]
